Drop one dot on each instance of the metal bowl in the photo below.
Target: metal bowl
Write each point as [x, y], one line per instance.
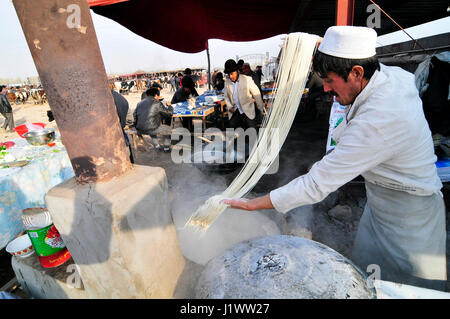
[217, 161]
[40, 137]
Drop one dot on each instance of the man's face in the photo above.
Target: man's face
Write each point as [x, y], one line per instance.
[345, 91]
[234, 76]
[3, 90]
[245, 69]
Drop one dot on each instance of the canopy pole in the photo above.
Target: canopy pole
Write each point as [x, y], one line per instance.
[344, 12]
[209, 66]
[65, 51]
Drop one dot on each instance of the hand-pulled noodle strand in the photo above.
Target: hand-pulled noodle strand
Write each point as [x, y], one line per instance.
[292, 74]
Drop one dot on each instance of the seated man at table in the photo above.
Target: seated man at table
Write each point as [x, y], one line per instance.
[148, 118]
[219, 82]
[184, 93]
[188, 73]
[241, 94]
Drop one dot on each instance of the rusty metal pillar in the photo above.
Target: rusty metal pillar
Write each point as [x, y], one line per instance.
[344, 12]
[65, 50]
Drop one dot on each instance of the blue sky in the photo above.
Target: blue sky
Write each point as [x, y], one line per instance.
[126, 52]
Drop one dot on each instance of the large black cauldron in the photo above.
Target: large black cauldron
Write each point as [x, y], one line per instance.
[220, 160]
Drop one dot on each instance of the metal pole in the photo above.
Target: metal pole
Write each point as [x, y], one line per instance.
[344, 12]
[209, 66]
[65, 50]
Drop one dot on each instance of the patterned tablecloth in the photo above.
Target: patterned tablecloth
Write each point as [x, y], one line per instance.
[27, 186]
[203, 105]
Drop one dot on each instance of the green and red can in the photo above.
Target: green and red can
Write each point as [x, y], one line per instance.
[47, 241]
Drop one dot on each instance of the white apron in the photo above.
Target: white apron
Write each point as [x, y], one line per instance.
[404, 235]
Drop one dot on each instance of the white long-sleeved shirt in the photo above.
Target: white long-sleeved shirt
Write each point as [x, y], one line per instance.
[386, 139]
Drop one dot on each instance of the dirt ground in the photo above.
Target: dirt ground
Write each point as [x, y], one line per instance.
[304, 146]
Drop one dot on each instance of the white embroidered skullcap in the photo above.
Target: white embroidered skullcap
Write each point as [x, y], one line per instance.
[349, 42]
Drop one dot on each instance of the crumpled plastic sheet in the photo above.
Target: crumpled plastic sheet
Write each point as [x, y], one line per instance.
[423, 70]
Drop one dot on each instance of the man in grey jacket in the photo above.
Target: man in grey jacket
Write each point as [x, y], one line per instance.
[241, 94]
[148, 117]
[6, 110]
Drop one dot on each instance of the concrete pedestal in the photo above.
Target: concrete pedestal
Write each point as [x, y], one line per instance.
[120, 234]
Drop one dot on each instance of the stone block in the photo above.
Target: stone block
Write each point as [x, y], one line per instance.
[121, 234]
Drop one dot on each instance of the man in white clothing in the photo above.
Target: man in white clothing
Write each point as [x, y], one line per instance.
[386, 139]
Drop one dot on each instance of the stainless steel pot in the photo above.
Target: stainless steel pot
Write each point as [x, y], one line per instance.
[40, 137]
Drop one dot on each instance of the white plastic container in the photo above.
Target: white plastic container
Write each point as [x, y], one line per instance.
[20, 247]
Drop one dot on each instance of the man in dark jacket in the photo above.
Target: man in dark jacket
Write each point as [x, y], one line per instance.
[247, 70]
[185, 92]
[122, 107]
[6, 109]
[259, 73]
[188, 73]
[153, 85]
[122, 111]
[148, 117]
[219, 82]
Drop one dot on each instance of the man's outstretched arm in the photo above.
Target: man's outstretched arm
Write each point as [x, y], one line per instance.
[257, 203]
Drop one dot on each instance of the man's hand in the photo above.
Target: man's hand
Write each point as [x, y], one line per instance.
[231, 109]
[262, 202]
[242, 203]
